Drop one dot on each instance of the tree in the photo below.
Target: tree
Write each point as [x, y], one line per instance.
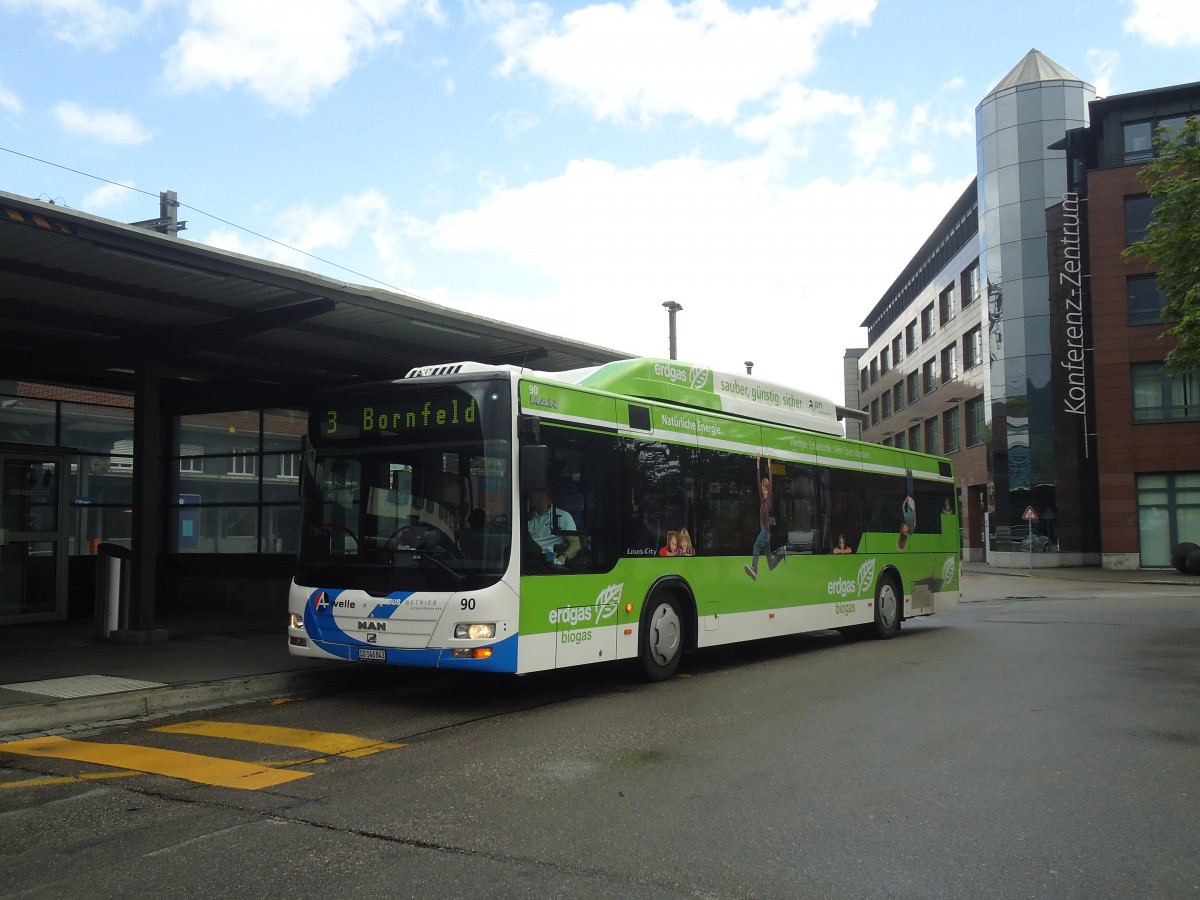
[1172, 241]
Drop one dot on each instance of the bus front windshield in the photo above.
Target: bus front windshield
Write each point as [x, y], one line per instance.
[407, 487]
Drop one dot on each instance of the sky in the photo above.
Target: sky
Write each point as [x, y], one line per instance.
[566, 167]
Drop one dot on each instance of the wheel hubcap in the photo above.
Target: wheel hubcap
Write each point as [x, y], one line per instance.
[887, 606]
[664, 634]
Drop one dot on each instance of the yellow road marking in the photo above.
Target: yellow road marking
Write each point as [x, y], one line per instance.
[67, 779]
[102, 776]
[172, 763]
[327, 743]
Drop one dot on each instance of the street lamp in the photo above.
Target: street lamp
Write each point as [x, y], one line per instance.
[749, 364]
[672, 307]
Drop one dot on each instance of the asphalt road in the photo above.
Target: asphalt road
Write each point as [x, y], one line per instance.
[1041, 740]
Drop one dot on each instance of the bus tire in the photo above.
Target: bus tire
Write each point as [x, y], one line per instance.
[888, 603]
[660, 640]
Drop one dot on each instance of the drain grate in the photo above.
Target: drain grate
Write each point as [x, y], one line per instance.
[81, 686]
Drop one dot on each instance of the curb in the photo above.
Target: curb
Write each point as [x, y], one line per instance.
[46, 716]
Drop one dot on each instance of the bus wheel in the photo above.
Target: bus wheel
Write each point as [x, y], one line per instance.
[661, 638]
[887, 608]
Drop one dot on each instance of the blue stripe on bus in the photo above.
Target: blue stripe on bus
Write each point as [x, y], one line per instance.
[324, 633]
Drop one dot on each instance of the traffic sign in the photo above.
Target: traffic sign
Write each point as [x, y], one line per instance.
[1029, 515]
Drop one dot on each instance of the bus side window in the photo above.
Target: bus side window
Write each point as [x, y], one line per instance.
[583, 469]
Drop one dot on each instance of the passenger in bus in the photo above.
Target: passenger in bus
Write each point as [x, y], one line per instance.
[686, 548]
[672, 545]
[842, 546]
[546, 526]
[762, 544]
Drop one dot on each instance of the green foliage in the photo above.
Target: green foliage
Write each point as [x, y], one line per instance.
[1172, 242]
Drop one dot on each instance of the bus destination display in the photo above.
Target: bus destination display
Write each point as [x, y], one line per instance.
[410, 414]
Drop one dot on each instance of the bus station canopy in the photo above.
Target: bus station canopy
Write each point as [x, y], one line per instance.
[88, 302]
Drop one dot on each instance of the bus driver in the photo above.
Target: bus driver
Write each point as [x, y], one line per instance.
[548, 534]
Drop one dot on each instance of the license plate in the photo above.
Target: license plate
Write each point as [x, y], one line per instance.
[372, 653]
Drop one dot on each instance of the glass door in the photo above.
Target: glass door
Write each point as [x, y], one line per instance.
[33, 539]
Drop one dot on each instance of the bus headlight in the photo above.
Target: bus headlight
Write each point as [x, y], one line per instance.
[295, 621]
[477, 631]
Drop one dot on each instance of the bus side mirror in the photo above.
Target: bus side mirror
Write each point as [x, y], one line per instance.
[535, 467]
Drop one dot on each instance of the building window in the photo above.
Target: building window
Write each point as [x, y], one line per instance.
[289, 465]
[1159, 397]
[914, 438]
[874, 371]
[950, 431]
[914, 389]
[931, 435]
[973, 347]
[1146, 301]
[898, 397]
[975, 432]
[897, 347]
[885, 403]
[910, 337]
[1138, 141]
[243, 462]
[899, 443]
[191, 459]
[970, 284]
[1138, 212]
[862, 381]
[927, 322]
[946, 306]
[884, 366]
[875, 411]
[949, 363]
[929, 376]
[1139, 136]
[1168, 512]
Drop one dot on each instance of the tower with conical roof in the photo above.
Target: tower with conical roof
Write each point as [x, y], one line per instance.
[1019, 177]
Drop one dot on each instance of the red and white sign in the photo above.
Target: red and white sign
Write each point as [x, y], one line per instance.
[1029, 515]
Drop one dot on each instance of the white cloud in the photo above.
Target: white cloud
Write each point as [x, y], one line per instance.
[515, 121]
[108, 196]
[792, 114]
[1165, 23]
[703, 60]
[10, 101]
[276, 52]
[776, 273]
[303, 235]
[88, 23]
[110, 127]
[874, 130]
[1103, 63]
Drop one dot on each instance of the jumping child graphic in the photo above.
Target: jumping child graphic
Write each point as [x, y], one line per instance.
[762, 544]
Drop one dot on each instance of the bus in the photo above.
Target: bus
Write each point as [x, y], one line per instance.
[496, 519]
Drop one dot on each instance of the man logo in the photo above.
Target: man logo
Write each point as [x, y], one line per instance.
[866, 576]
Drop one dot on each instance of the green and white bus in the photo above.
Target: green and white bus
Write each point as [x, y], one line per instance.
[686, 508]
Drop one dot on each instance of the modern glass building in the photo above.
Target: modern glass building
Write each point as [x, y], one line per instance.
[1019, 178]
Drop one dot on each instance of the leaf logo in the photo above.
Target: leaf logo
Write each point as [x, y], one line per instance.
[948, 571]
[699, 377]
[866, 576]
[608, 600]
